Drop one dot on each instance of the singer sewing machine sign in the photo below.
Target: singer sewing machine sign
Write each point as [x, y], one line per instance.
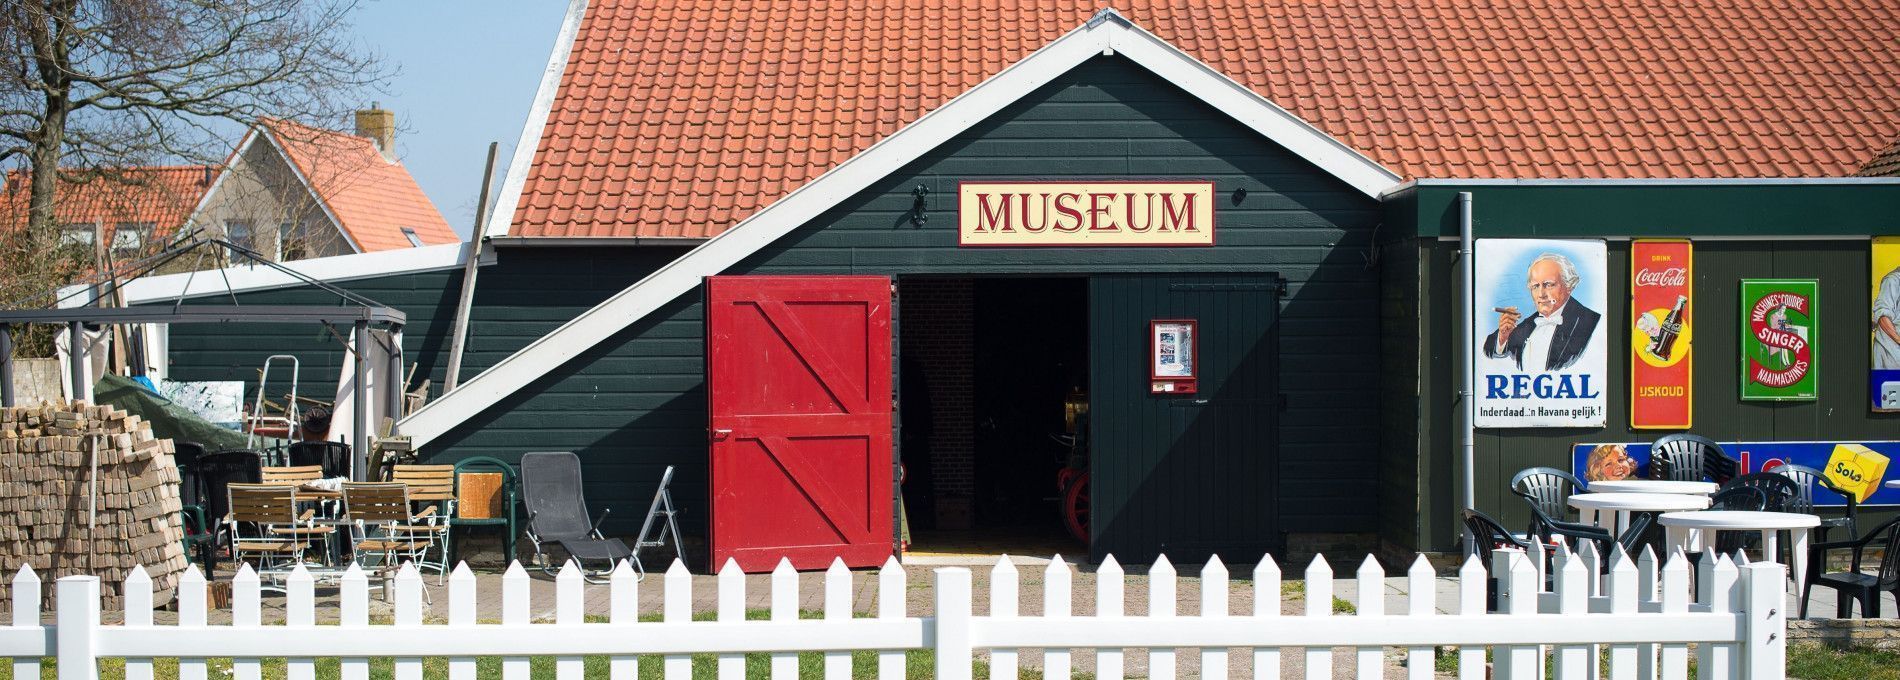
[1539, 347]
[1778, 339]
[1662, 276]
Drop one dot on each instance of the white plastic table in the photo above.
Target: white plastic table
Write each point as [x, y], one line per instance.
[1652, 486]
[1685, 532]
[1592, 506]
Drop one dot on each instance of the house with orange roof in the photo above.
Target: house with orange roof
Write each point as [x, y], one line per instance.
[1163, 279]
[291, 191]
[134, 208]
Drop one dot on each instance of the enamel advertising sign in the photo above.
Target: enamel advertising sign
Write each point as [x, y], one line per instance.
[1883, 378]
[1085, 213]
[1662, 275]
[1861, 468]
[1778, 339]
[1541, 351]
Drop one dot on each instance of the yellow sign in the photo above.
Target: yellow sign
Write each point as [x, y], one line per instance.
[1086, 214]
[1856, 469]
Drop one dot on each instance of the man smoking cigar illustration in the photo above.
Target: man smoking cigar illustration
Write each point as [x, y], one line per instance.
[1557, 334]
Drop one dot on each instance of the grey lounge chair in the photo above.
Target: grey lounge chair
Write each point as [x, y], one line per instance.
[557, 514]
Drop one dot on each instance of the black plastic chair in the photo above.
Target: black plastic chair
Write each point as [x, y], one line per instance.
[199, 539]
[1805, 479]
[1780, 491]
[1684, 457]
[1855, 586]
[1488, 535]
[333, 457]
[1749, 498]
[1547, 488]
[557, 513]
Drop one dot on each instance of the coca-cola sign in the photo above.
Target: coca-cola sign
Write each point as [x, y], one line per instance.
[1672, 276]
[1662, 334]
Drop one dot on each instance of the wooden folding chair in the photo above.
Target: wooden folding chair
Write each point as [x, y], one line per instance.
[383, 525]
[292, 475]
[265, 524]
[433, 485]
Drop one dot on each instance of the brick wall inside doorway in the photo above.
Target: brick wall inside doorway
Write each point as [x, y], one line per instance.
[938, 336]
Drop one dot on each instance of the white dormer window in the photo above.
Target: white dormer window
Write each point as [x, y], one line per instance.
[414, 240]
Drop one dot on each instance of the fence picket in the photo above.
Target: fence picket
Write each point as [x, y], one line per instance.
[891, 594]
[1214, 606]
[784, 608]
[570, 609]
[623, 609]
[731, 581]
[1593, 564]
[1621, 587]
[1056, 606]
[1646, 582]
[1370, 664]
[514, 612]
[409, 613]
[300, 612]
[1004, 586]
[1319, 603]
[1266, 604]
[138, 614]
[1109, 604]
[1764, 647]
[676, 606]
[1472, 583]
[1420, 586]
[837, 608]
[1161, 590]
[76, 633]
[462, 613]
[1519, 585]
[1675, 600]
[952, 644]
[26, 614]
[1717, 584]
[353, 603]
[247, 608]
[1573, 599]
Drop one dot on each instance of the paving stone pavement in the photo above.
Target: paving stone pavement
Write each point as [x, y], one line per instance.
[918, 594]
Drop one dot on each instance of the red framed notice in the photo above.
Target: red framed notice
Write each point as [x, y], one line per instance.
[1662, 336]
[1171, 359]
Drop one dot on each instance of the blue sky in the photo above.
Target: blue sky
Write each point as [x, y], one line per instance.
[469, 70]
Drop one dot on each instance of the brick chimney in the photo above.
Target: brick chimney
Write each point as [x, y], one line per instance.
[380, 127]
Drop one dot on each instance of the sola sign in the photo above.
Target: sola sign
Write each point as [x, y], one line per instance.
[1085, 213]
[1778, 336]
[1661, 335]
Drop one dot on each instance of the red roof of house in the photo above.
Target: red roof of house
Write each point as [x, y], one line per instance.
[161, 196]
[682, 118]
[372, 198]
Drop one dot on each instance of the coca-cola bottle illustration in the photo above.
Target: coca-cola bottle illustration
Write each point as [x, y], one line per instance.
[1671, 329]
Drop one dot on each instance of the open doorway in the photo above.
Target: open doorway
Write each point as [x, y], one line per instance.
[994, 386]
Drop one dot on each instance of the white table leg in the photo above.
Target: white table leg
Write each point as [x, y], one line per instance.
[1768, 545]
[1676, 539]
[1798, 559]
[1622, 524]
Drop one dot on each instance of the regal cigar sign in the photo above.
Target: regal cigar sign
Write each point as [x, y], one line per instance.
[1086, 213]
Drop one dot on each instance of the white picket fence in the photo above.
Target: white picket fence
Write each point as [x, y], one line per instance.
[1645, 616]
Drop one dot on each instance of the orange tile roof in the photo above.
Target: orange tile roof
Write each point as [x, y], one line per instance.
[162, 196]
[1884, 164]
[372, 198]
[682, 118]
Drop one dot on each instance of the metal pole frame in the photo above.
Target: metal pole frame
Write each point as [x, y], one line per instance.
[6, 364]
[1469, 393]
[359, 404]
[76, 359]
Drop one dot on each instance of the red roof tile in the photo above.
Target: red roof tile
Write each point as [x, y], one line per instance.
[161, 196]
[708, 111]
[372, 198]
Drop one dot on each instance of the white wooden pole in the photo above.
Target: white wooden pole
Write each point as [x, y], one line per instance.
[570, 610]
[784, 608]
[1472, 583]
[1110, 663]
[514, 612]
[623, 610]
[1765, 644]
[26, 614]
[952, 643]
[731, 608]
[1420, 586]
[891, 594]
[1057, 606]
[1266, 605]
[78, 628]
[462, 613]
[138, 614]
[837, 608]
[247, 611]
[1214, 588]
[1004, 605]
[353, 601]
[300, 618]
[1319, 604]
[1370, 662]
[677, 608]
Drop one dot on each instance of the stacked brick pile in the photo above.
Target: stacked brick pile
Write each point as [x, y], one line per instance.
[48, 485]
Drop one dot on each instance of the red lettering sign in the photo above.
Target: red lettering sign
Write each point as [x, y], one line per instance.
[1086, 213]
[1661, 336]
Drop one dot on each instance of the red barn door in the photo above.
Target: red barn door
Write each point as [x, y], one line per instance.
[799, 374]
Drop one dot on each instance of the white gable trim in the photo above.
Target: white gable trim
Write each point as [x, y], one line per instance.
[322, 201]
[1107, 33]
[255, 277]
[516, 176]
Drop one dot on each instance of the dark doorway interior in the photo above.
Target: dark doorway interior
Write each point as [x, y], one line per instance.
[987, 365]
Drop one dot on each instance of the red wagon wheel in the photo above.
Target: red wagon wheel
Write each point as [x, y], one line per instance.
[1075, 508]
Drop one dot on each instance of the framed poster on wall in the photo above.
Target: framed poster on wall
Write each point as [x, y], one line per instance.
[1172, 363]
[1883, 377]
[1778, 340]
[1540, 348]
[1662, 281]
